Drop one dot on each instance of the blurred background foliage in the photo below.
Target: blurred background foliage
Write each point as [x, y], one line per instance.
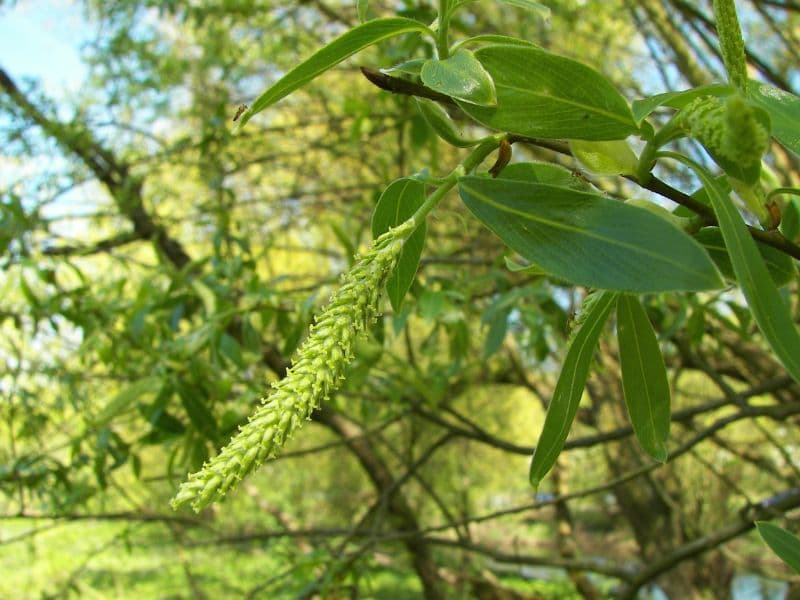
[157, 272]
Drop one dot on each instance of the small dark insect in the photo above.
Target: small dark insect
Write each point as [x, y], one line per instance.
[239, 111]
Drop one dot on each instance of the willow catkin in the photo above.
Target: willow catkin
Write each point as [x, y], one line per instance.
[317, 370]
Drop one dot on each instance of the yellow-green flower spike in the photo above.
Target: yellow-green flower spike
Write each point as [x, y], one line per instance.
[317, 370]
[731, 43]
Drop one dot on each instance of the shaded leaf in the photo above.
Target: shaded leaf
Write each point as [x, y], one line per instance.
[571, 381]
[644, 107]
[398, 202]
[644, 377]
[123, 399]
[783, 543]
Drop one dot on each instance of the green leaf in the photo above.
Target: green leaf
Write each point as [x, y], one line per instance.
[343, 47]
[783, 109]
[783, 543]
[442, 124]
[397, 203]
[409, 67]
[362, 6]
[123, 399]
[613, 157]
[571, 381]
[537, 172]
[230, 349]
[492, 39]
[541, 11]
[644, 377]
[644, 107]
[460, 76]
[200, 415]
[540, 94]
[780, 266]
[768, 308]
[588, 239]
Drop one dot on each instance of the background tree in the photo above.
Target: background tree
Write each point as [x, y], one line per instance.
[158, 270]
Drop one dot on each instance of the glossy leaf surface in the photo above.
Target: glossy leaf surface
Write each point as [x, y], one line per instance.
[540, 94]
[460, 76]
[783, 109]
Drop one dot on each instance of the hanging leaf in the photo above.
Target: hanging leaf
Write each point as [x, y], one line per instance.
[571, 381]
[460, 76]
[397, 203]
[442, 124]
[588, 239]
[540, 94]
[343, 47]
[768, 308]
[123, 400]
[644, 377]
[783, 543]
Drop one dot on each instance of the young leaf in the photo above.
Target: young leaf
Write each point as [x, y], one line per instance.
[588, 239]
[442, 124]
[644, 377]
[783, 543]
[537, 8]
[540, 94]
[397, 203]
[460, 76]
[362, 6]
[783, 109]
[571, 382]
[768, 308]
[343, 47]
[642, 108]
[614, 157]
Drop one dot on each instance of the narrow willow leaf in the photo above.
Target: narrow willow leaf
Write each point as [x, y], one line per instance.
[768, 308]
[362, 7]
[539, 9]
[643, 108]
[123, 399]
[644, 377]
[343, 47]
[783, 543]
[588, 239]
[538, 172]
[442, 124]
[571, 381]
[460, 76]
[784, 110]
[780, 266]
[540, 94]
[613, 157]
[397, 203]
[492, 39]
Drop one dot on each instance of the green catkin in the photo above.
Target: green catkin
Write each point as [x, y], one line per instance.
[731, 43]
[728, 128]
[317, 370]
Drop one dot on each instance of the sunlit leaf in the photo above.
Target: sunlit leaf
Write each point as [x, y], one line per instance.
[460, 76]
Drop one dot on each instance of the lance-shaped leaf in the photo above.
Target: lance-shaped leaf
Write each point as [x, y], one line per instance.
[768, 308]
[588, 239]
[644, 377]
[783, 543]
[540, 94]
[571, 381]
[460, 76]
[783, 109]
[442, 124]
[329, 56]
[644, 107]
[397, 203]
